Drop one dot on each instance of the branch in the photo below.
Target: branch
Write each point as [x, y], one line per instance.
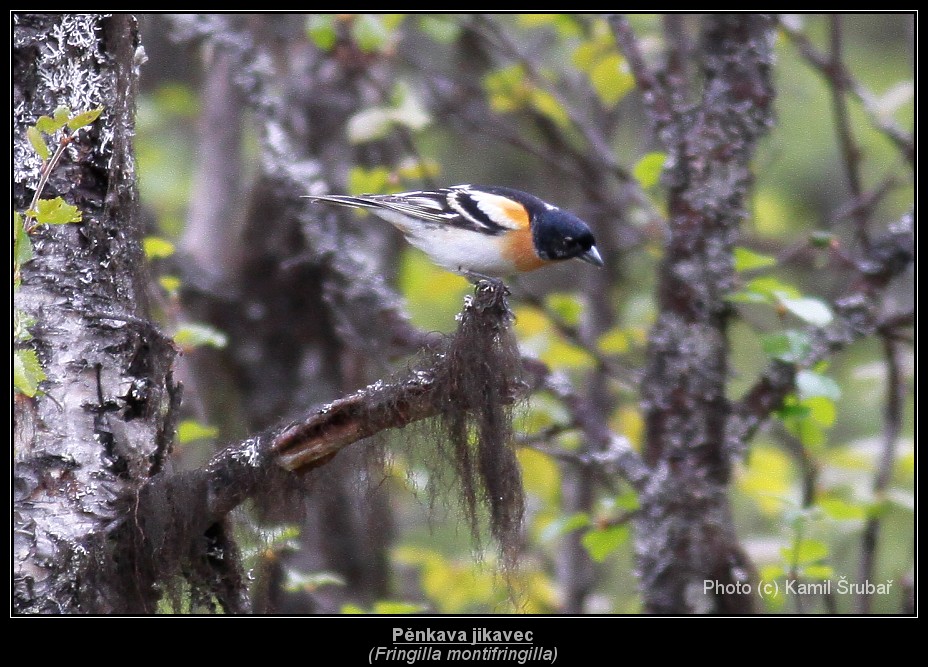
[819, 61]
[470, 382]
[309, 443]
[656, 97]
[613, 453]
[856, 317]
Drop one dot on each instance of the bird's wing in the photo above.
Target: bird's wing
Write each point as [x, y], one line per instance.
[458, 206]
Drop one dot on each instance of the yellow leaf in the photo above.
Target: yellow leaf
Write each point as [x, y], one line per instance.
[628, 421]
[540, 474]
[768, 478]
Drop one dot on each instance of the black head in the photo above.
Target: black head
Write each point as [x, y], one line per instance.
[562, 235]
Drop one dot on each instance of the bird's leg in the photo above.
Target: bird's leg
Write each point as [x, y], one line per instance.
[483, 283]
[477, 278]
[473, 276]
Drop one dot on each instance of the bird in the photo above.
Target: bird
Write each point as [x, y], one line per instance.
[481, 231]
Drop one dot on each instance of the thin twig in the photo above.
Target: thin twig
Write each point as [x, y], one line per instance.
[850, 151]
[903, 140]
[892, 426]
[44, 175]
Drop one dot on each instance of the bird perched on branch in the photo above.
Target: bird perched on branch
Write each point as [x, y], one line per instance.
[481, 231]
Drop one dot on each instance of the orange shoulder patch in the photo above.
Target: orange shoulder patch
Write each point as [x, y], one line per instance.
[516, 212]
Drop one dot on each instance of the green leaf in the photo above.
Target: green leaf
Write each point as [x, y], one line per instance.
[56, 212]
[22, 244]
[768, 478]
[585, 55]
[508, 88]
[746, 296]
[565, 524]
[627, 500]
[808, 419]
[321, 30]
[190, 429]
[822, 410]
[540, 412]
[765, 289]
[647, 171]
[611, 79]
[805, 553]
[773, 288]
[565, 24]
[790, 346]
[157, 247]
[810, 384]
[392, 607]
[793, 410]
[540, 474]
[374, 32]
[195, 334]
[841, 510]
[438, 28]
[368, 181]
[413, 169]
[818, 571]
[548, 105]
[614, 341]
[567, 307]
[814, 311]
[169, 283]
[38, 142]
[62, 115]
[27, 372]
[810, 434]
[563, 355]
[600, 543]
[822, 239]
[21, 324]
[48, 125]
[84, 118]
[748, 260]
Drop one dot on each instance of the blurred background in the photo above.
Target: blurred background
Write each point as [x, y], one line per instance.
[281, 306]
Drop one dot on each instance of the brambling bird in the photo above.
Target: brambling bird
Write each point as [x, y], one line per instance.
[480, 231]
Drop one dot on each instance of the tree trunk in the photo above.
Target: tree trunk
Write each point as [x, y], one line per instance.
[685, 534]
[102, 422]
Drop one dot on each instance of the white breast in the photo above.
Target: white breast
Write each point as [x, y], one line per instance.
[451, 248]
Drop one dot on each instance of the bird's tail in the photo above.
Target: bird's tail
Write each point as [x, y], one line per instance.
[343, 200]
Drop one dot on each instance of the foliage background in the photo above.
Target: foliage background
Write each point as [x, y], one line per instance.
[832, 448]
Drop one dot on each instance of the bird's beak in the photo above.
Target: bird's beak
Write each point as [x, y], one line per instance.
[592, 256]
